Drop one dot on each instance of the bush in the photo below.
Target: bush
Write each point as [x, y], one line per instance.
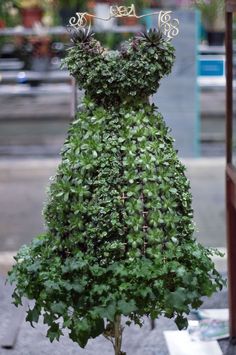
[119, 237]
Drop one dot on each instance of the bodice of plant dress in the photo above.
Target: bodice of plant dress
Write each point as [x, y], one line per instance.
[130, 74]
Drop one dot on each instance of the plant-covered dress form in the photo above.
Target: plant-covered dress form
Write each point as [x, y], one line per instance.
[119, 237]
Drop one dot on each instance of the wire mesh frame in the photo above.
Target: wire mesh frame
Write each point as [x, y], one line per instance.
[144, 212]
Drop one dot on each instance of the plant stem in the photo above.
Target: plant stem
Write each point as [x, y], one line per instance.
[118, 335]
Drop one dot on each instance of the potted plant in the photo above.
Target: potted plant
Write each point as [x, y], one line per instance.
[68, 8]
[31, 11]
[119, 238]
[7, 13]
[212, 12]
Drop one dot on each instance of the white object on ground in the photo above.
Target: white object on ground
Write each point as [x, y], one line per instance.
[218, 313]
[180, 343]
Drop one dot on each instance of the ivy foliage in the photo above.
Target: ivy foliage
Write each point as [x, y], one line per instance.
[119, 236]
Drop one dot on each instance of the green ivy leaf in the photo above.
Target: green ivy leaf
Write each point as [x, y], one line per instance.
[54, 332]
[181, 322]
[178, 298]
[97, 327]
[33, 315]
[126, 307]
[58, 308]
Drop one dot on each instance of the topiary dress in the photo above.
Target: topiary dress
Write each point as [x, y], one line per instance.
[119, 236]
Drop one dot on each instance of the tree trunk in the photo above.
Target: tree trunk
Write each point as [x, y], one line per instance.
[118, 335]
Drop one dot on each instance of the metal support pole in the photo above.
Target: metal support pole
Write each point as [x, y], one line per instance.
[73, 103]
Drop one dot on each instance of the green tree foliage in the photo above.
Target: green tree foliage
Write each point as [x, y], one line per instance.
[119, 237]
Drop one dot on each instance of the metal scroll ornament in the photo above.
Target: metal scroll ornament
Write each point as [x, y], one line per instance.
[80, 22]
[122, 11]
[169, 27]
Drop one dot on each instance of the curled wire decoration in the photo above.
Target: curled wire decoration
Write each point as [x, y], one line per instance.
[169, 27]
[81, 21]
[122, 11]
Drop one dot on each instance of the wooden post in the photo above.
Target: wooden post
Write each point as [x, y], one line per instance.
[231, 246]
[230, 174]
[229, 86]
